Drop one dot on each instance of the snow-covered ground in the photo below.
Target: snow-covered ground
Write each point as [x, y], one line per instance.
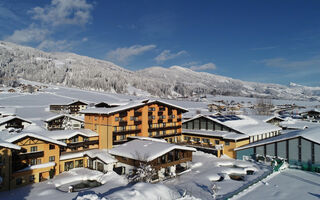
[206, 169]
[289, 184]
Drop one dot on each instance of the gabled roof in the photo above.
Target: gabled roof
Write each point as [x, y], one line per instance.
[9, 145]
[64, 115]
[144, 150]
[72, 102]
[309, 134]
[17, 136]
[220, 134]
[9, 118]
[241, 123]
[67, 134]
[101, 154]
[129, 106]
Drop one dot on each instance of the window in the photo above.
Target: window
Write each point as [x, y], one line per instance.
[115, 129]
[79, 163]
[196, 139]
[51, 158]
[95, 127]
[162, 117]
[150, 134]
[31, 178]
[122, 137]
[75, 139]
[152, 109]
[39, 161]
[116, 119]
[51, 146]
[33, 161]
[85, 139]
[204, 140]
[217, 141]
[151, 117]
[158, 133]
[34, 149]
[172, 116]
[227, 143]
[132, 118]
[95, 118]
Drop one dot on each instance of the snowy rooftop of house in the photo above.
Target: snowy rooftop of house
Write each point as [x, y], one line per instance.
[146, 138]
[71, 102]
[66, 134]
[242, 124]
[145, 150]
[128, 106]
[101, 154]
[71, 155]
[312, 134]
[6, 119]
[9, 145]
[306, 110]
[12, 137]
[266, 118]
[33, 128]
[222, 134]
[298, 124]
[39, 166]
[78, 118]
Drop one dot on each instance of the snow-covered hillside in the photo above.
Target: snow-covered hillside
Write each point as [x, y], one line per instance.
[73, 70]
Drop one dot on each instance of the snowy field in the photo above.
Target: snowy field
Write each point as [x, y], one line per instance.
[289, 184]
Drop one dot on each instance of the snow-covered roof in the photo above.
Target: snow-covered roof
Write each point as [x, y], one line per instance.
[33, 128]
[147, 138]
[297, 124]
[312, 134]
[72, 155]
[66, 134]
[128, 106]
[101, 154]
[144, 150]
[266, 118]
[242, 124]
[9, 145]
[9, 118]
[222, 134]
[78, 118]
[39, 166]
[72, 102]
[12, 137]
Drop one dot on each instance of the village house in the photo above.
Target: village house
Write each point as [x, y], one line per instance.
[73, 107]
[167, 159]
[146, 118]
[13, 122]
[220, 134]
[64, 121]
[36, 160]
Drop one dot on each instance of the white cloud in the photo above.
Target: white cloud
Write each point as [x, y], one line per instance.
[51, 45]
[123, 54]
[30, 34]
[282, 62]
[167, 55]
[76, 12]
[208, 66]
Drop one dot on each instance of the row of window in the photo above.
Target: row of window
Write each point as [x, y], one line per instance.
[163, 132]
[37, 161]
[203, 140]
[125, 128]
[263, 136]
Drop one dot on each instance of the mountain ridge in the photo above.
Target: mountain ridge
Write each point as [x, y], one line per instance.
[70, 69]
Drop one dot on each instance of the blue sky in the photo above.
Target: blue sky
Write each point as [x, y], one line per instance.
[262, 41]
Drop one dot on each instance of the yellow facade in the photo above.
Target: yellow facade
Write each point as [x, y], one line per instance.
[149, 120]
[228, 145]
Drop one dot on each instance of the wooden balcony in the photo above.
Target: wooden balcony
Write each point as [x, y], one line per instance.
[124, 132]
[164, 128]
[137, 122]
[30, 155]
[123, 123]
[81, 144]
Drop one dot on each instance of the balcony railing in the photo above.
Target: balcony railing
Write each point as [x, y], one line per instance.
[127, 131]
[164, 128]
[30, 155]
[83, 143]
[137, 114]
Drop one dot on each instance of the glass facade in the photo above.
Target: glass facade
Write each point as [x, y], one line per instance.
[282, 149]
[270, 149]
